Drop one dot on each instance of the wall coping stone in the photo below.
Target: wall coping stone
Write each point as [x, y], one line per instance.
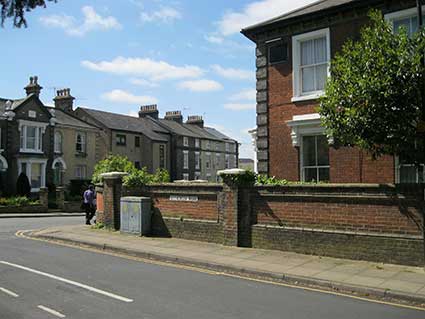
[232, 171]
[113, 175]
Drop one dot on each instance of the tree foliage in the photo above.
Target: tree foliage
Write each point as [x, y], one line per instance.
[23, 187]
[135, 178]
[373, 96]
[16, 9]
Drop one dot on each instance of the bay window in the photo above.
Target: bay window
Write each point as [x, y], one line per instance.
[311, 58]
[31, 136]
[35, 169]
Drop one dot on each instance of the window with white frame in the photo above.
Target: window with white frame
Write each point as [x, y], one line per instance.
[227, 161]
[185, 159]
[208, 160]
[405, 18]
[31, 137]
[217, 146]
[80, 142]
[80, 171]
[315, 158]
[185, 141]
[227, 147]
[35, 169]
[186, 176]
[197, 142]
[234, 161]
[197, 160]
[217, 160]
[58, 142]
[208, 145]
[311, 57]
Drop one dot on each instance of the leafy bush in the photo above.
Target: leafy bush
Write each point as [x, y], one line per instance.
[265, 180]
[17, 201]
[112, 163]
[135, 178]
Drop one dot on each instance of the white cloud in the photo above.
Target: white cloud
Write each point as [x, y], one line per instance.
[92, 22]
[255, 12]
[239, 106]
[120, 96]
[145, 67]
[143, 82]
[248, 94]
[133, 113]
[214, 39]
[201, 85]
[164, 14]
[231, 73]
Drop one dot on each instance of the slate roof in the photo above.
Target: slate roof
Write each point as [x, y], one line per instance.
[15, 103]
[218, 134]
[128, 123]
[63, 118]
[201, 132]
[309, 9]
[178, 128]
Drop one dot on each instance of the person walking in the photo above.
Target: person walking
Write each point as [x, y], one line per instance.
[88, 203]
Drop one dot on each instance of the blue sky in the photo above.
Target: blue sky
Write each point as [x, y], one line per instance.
[117, 55]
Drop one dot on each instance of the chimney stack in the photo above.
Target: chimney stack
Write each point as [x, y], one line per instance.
[33, 87]
[64, 100]
[195, 120]
[149, 110]
[174, 116]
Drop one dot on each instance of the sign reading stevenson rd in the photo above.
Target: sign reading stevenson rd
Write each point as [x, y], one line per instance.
[182, 198]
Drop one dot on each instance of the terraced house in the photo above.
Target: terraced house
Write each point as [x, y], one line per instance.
[293, 55]
[33, 137]
[197, 151]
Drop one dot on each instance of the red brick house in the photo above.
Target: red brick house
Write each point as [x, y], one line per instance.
[293, 55]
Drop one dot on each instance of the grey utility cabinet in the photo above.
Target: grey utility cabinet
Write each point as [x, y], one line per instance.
[136, 215]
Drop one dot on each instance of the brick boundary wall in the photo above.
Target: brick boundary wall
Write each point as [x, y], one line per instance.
[380, 223]
[195, 220]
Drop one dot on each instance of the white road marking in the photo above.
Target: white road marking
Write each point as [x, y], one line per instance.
[70, 282]
[51, 311]
[10, 293]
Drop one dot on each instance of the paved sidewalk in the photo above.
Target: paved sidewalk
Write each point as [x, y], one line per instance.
[361, 277]
[39, 215]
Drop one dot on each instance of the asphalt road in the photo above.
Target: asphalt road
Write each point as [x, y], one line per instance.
[41, 280]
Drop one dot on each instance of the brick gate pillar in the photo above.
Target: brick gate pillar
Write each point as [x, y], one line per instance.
[112, 186]
[236, 207]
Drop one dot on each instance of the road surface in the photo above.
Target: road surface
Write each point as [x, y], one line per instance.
[41, 280]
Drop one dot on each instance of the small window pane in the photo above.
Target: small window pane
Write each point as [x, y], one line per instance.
[307, 52]
[278, 53]
[309, 151]
[36, 175]
[31, 137]
[308, 79]
[322, 151]
[402, 23]
[320, 50]
[408, 174]
[321, 76]
[310, 174]
[324, 174]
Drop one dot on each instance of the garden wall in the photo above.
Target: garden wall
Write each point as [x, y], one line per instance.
[371, 222]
